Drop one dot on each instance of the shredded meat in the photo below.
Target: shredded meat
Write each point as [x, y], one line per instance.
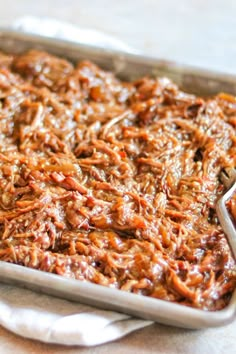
[114, 182]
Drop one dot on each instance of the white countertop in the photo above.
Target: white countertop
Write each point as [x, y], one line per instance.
[196, 32]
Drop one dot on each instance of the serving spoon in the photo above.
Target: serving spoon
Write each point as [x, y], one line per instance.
[228, 177]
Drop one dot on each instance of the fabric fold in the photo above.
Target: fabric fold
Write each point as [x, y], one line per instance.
[52, 320]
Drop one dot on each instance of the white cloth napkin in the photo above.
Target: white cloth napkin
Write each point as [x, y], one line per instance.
[54, 320]
[51, 27]
[43, 317]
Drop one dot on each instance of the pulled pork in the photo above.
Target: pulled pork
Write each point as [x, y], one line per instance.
[112, 182]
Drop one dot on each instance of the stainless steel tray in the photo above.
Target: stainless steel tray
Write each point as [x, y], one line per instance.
[127, 66]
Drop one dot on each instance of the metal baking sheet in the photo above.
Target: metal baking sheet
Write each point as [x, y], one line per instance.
[126, 66]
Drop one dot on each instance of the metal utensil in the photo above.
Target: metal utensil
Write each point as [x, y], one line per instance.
[228, 177]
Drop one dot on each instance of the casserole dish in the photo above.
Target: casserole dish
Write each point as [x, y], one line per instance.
[129, 67]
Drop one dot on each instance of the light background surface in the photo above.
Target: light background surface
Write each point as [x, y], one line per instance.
[196, 32]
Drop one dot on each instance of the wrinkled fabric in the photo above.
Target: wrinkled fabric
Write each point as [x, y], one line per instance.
[53, 320]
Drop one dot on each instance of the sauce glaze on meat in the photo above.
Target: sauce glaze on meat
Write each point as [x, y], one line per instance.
[112, 182]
